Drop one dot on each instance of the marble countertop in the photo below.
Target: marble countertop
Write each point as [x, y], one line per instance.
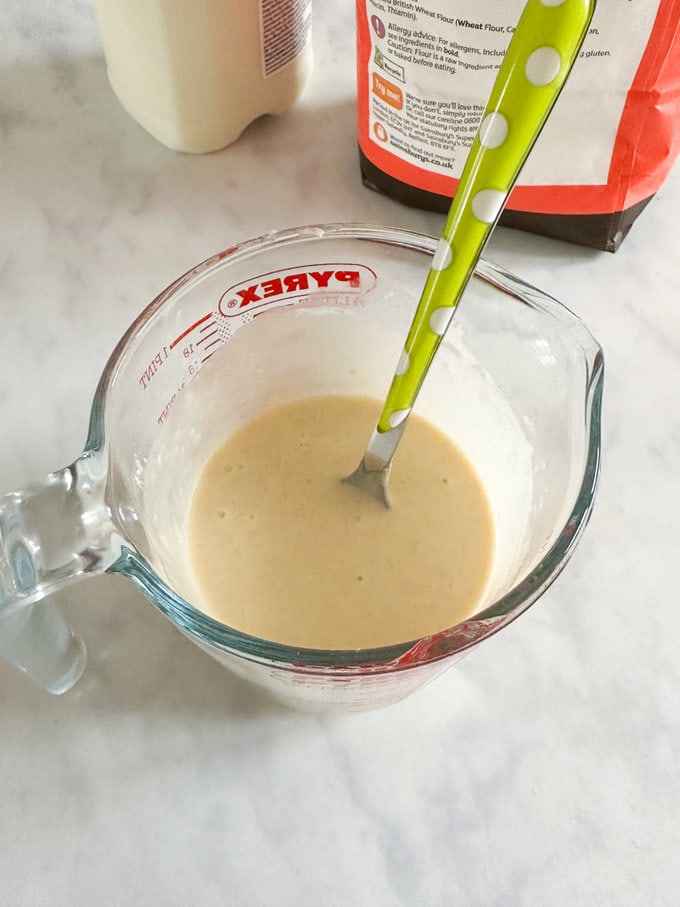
[541, 770]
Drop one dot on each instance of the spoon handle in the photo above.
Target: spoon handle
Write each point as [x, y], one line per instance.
[537, 62]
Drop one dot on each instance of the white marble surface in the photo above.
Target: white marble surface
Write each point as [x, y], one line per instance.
[542, 770]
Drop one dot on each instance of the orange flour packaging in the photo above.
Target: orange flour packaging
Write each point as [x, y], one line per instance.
[426, 67]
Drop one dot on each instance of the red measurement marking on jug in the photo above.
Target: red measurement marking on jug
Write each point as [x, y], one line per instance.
[188, 331]
[209, 340]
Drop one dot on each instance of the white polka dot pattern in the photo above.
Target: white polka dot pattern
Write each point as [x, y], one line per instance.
[398, 416]
[543, 66]
[440, 318]
[542, 50]
[443, 256]
[403, 364]
[493, 130]
[487, 204]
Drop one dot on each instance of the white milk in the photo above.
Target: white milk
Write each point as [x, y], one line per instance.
[195, 73]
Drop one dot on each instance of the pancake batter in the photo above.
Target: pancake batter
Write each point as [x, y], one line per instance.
[283, 550]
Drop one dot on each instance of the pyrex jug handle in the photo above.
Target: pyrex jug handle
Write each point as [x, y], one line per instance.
[37, 640]
[52, 533]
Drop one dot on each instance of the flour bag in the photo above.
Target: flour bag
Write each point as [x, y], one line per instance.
[425, 70]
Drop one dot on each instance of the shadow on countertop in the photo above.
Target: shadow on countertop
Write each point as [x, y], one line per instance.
[138, 664]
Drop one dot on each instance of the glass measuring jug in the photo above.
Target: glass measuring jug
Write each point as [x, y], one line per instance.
[314, 310]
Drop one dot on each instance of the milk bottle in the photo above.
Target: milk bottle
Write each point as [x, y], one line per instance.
[195, 73]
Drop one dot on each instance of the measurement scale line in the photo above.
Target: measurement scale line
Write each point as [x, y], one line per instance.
[190, 329]
[207, 326]
[205, 358]
[206, 337]
[208, 345]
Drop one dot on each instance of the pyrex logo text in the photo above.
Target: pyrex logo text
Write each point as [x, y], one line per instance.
[293, 284]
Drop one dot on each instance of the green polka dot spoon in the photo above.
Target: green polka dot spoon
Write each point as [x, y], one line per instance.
[537, 62]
